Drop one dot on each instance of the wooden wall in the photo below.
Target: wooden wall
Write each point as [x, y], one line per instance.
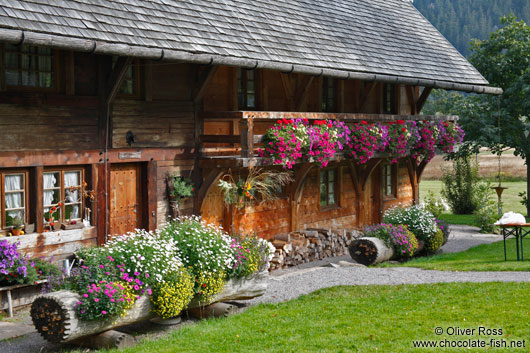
[36, 121]
[59, 244]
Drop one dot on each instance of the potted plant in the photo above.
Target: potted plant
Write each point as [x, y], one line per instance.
[178, 188]
[17, 224]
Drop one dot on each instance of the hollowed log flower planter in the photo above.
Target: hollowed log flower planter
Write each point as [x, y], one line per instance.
[55, 318]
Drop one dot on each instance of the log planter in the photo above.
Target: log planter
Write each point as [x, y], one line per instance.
[371, 251]
[55, 318]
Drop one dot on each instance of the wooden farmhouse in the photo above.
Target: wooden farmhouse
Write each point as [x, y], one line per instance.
[117, 94]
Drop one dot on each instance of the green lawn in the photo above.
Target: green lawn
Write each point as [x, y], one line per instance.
[510, 197]
[487, 257]
[450, 218]
[363, 319]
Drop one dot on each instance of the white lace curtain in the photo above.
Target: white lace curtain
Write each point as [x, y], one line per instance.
[14, 200]
[49, 183]
[72, 196]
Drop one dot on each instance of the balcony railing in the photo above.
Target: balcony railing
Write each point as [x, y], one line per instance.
[236, 135]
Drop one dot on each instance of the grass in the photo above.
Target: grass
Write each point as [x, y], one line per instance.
[450, 218]
[486, 257]
[510, 197]
[361, 319]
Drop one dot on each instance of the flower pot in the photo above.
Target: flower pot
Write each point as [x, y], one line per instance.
[16, 232]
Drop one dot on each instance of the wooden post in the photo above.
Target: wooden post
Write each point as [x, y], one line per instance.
[102, 207]
[247, 137]
[38, 215]
[69, 75]
[152, 199]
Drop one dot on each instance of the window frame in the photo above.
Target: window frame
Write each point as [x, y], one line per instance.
[392, 177]
[62, 193]
[3, 173]
[242, 88]
[55, 62]
[336, 188]
[329, 84]
[135, 77]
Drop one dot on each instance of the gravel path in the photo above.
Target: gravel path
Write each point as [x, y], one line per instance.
[292, 285]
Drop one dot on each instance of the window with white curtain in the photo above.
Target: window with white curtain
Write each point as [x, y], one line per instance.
[14, 198]
[62, 197]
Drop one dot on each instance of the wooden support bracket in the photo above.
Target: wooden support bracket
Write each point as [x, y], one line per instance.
[368, 89]
[422, 99]
[202, 83]
[301, 92]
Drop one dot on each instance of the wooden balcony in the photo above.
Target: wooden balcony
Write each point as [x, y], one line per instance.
[231, 139]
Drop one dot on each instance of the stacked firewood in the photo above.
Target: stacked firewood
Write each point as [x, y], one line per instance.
[310, 245]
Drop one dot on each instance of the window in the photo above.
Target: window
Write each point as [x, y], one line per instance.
[246, 88]
[328, 187]
[389, 99]
[129, 86]
[328, 94]
[62, 190]
[13, 202]
[389, 180]
[28, 66]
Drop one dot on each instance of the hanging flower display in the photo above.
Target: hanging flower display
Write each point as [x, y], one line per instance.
[362, 140]
[291, 141]
[449, 136]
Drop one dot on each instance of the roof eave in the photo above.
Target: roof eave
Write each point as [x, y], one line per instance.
[15, 36]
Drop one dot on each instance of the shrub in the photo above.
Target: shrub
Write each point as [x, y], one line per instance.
[433, 204]
[486, 213]
[445, 228]
[151, 254]
[185, 258]
[104, 300]
[252, 254]
[434, 243]
[459, 186]
[207, 285]
[398, 237]
[417, 219]
[14, 267]
[203, 248]
[172, 294]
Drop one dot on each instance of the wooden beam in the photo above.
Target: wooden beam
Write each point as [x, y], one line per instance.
[38, 209]
[212, 176]
[152, 197]
[69, 73]
[102, 206]
[148, 81]
[340, 96]
[116, 78]
[367, 91]
[301, 93]
[247, 138]
[202, 83]
[288, 89]
[412, 98]
[296, 192]
[422, 99]
[92, 180]
[412, 171]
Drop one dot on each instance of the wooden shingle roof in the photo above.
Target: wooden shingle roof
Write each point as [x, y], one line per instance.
[383, 40]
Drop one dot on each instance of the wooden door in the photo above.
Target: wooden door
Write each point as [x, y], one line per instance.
[125, 198]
